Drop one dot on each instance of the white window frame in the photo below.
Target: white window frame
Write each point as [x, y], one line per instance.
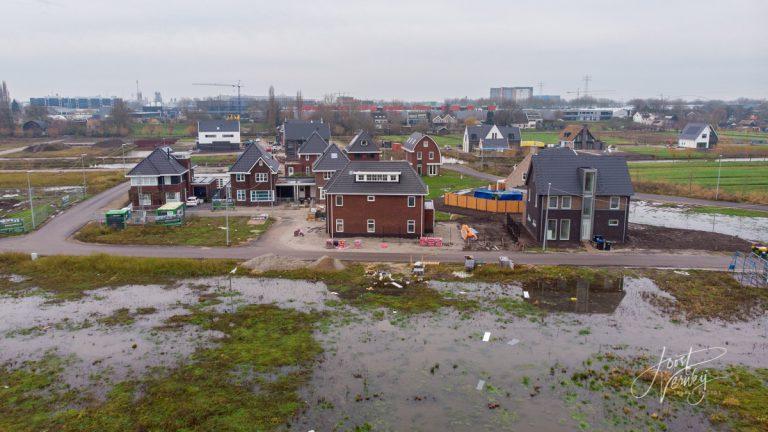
[425, 143]
[306, 157]
[239, 178]
[418, 155]
[322, 192]
[431, 155]
[565, 234]
[327, 175]
[240, 194]
[613, 222]
[339, 201]
[618, 203]
[172, 197]
[290, 170]
[307, 170]
[145, 199]
[371, 198]
[410, 226]
[411, 198]
[549, 202]
[260, 177]
[551, 223]
[370, 226]
[431, 170]
[562, 202]
[340, 225]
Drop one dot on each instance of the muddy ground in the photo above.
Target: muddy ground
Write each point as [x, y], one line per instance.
[655, 237]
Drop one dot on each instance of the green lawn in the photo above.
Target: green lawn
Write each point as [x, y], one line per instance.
[728, 211]
[668, 153]
[450, 181]
[141, 130]
[735, 176]
[98, 181]
[196, 231]
[214, 160]
[547, 137]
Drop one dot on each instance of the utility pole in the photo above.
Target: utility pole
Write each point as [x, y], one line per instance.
[122, 146]
[546, 218]
[719, 167]
[587, 79]
[31, 206]
[85, 183]
[226, 215]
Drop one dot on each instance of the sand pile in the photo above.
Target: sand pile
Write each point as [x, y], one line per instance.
[326, 263]
[273, 262]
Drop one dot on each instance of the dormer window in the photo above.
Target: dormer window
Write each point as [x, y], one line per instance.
[364, 143]
[368, 177]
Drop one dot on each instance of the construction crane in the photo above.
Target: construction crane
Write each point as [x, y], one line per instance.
[236, 85]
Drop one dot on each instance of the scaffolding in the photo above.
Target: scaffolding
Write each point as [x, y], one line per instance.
[750, 268]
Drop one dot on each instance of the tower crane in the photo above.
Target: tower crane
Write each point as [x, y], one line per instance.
[236, 85]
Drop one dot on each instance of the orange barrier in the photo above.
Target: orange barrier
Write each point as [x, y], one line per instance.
[482, 204]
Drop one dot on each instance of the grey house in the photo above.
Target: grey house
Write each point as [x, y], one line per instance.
[293, 133]
[575, 196]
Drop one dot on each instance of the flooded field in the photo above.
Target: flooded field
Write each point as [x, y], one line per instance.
[748, 228]
[505, 365]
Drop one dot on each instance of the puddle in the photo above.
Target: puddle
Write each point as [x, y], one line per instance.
[34, 325]
[748, 228]
[423, 373]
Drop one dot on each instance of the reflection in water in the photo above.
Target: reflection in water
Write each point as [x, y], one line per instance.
[577, 295]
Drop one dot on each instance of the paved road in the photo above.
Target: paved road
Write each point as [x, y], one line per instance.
[638, 196]
[54, 238]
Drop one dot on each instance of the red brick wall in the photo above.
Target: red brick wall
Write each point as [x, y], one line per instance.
[391, 213]
[250, 184]
[157, 193]
[364, 156]
[320, 181]
[412, 157]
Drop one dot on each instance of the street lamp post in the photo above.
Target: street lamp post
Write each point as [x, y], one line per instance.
[546, 218]
[719, 168]
[85, 183]
[31, 206]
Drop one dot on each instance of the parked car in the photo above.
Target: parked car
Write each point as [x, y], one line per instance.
[193, 201]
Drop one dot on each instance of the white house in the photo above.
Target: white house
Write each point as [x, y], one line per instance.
[700, 136]
[218, 135]
[490, 137]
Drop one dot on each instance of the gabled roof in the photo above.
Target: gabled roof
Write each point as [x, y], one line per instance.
[343, 182]
[561, 167]
[333, 159]
[482, 130]
[250, 156]
[160, 162]
[314, 145]
[691, 131]
[362, 142]
[410, 144]
[218, 126]
[299, 130]
[570, 132]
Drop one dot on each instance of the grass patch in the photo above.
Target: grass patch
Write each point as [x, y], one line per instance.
[706, 295]
[250, 381]
[735, 396]
[98, 181]
[353, 285]
[68, 276]
[727, 211]
[196, 231]
[518, 308]
[450, 181]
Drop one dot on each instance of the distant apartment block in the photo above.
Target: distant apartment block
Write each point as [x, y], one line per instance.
[73, 102]
[511, 94]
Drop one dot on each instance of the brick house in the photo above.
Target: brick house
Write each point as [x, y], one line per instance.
[293, 133]
[162, 177]
[423, 153]
[577, 195]
[378, 199]
[363, 147]
[253, 177]
[307, 154]
[332, 160]
[578, 137]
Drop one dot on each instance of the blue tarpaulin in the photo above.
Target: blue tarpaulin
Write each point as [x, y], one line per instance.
[503, 195]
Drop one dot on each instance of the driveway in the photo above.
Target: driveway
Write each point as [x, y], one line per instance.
[55, 238]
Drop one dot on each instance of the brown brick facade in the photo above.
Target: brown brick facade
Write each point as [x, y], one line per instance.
[420, 158]
[390, 214]
[247, 183]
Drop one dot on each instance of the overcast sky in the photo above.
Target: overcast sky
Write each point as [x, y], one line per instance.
[391, 49]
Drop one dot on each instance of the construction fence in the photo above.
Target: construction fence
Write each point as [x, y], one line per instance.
[482, 204]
